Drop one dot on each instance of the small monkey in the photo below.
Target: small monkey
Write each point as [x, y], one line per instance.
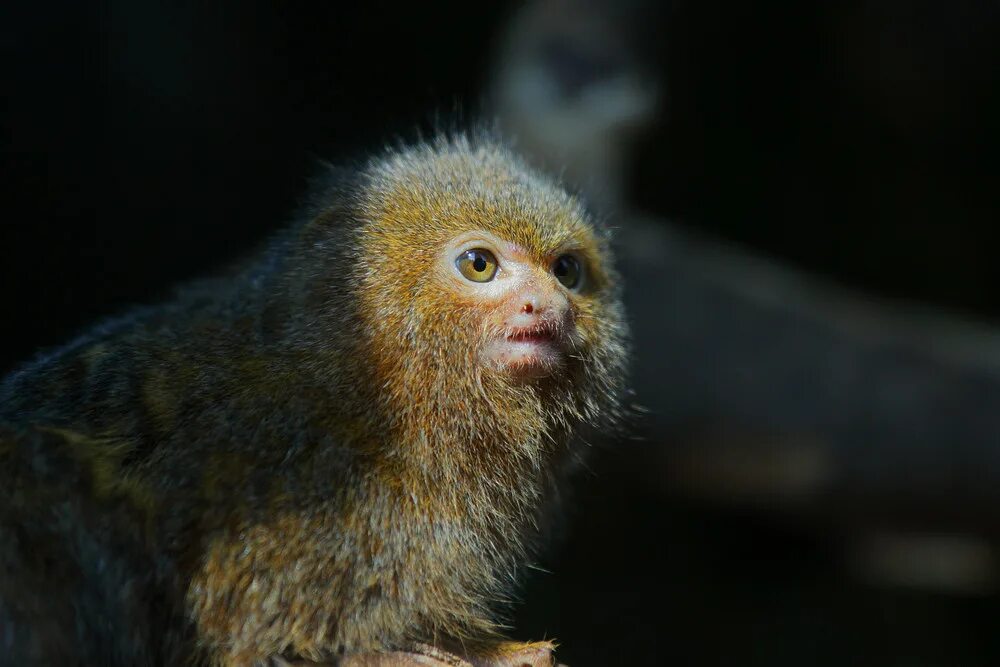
[342, 448]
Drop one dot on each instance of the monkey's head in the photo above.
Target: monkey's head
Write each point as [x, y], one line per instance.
[485, 295]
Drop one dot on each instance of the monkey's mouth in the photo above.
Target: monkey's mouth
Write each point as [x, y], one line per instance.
[527, 352]
[541, 333]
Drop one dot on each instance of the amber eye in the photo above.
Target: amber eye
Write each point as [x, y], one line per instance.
[567, 269]
[477, 265]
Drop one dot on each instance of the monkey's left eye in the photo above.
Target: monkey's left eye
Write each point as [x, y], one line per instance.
[566, 269]
[478, 265]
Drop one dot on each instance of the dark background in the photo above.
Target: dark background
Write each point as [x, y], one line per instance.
[147, 142]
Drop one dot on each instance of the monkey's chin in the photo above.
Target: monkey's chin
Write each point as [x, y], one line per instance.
[525, 359]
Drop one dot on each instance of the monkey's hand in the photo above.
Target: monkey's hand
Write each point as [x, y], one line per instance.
[515, 654]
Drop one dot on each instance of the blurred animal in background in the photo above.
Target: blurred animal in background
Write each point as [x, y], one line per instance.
[575, 88]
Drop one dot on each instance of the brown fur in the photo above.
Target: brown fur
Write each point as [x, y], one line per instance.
[329, 464]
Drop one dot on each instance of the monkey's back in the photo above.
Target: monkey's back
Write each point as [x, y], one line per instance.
[79, 582]
[106, 494]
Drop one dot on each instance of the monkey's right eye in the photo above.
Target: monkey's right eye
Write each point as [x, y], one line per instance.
[478, 265]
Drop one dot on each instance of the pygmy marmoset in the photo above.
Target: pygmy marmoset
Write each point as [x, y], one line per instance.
[342, 447]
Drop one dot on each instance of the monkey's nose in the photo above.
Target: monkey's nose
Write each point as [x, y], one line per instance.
[533, 307]
[533, 304]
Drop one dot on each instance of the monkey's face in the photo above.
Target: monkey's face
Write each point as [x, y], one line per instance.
[482, 284]
[525, 302]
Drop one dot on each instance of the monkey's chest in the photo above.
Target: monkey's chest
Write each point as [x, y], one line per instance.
[363, 578]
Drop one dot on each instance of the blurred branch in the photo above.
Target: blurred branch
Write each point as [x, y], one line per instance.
[859, 399]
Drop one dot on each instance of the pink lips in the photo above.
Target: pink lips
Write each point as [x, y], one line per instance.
[532, 351]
